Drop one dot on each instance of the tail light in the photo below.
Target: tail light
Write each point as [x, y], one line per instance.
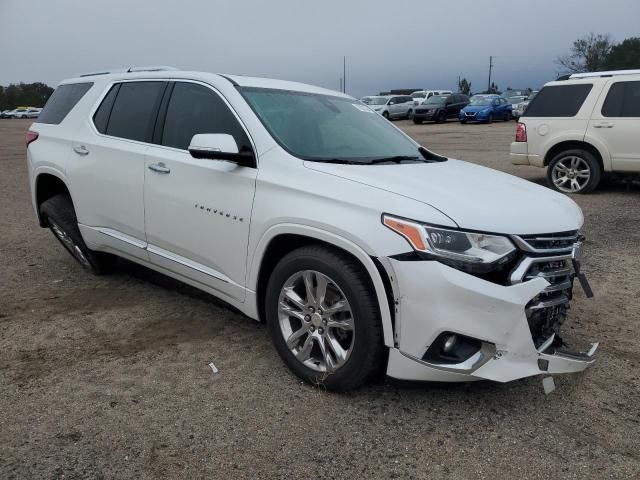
[31, 137]
[521, 132]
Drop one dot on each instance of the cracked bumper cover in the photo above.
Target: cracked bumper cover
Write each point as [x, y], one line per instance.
[432, 298]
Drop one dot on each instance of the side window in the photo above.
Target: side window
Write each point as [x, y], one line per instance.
[63, 99]
[195, 109]
[623, 100]
[558, 100]
[134, 110]
[101, 117]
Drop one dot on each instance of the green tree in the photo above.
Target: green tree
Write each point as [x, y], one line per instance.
[587, 54]
[625, 55]
[24, 95]
[464, 86]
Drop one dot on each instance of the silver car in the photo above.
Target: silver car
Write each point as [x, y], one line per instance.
[392, 106]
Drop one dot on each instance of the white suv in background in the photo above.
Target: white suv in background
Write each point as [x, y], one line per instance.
[582, 128]
[361, 250]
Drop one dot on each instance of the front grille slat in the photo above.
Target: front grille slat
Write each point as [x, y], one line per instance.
[547, 256]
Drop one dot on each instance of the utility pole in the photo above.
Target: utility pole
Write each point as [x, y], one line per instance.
[490, 67]
[344, 74]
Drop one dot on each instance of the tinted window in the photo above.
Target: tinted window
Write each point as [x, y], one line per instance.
[134, 109]
[62, 101]
[623, 100]
[558, 101]
[197, 109]
[101, 117]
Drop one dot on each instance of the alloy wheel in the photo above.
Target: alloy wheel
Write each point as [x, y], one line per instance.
[316, 321]
[571, 174]
[69, 244]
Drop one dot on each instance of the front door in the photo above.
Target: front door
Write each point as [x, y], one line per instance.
[615, 122]
[197, 211]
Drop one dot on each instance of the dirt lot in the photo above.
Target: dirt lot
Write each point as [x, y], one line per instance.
[108, 378]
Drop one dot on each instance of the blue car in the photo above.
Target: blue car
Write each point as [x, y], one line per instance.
[486, 108]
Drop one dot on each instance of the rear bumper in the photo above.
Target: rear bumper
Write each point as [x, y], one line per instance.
[435, 299]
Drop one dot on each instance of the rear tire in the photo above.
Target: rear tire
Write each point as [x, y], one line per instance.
[574, 171]
[410, 114]
[59, 215]
[307, 319]
[417, 121]
[507, 117]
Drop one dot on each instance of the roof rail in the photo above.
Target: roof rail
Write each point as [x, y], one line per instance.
[159, 68]
[610, 73]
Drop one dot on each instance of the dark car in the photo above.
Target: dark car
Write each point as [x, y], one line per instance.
[440, 107]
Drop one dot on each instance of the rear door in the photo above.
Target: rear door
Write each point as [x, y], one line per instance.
[198, 210]
[108, 176]
[616, 123]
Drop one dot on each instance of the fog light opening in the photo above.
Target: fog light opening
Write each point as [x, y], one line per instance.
[449, 343]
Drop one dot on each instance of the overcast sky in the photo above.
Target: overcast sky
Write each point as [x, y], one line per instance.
[388, 44]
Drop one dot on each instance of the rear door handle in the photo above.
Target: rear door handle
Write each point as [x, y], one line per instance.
[159, 168]
[602, 124]
[81, 150]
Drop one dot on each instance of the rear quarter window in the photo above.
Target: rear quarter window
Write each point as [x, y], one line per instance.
[62, 101]
[623, 100]
[559, 100]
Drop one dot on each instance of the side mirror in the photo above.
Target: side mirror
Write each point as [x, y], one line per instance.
[220, 146]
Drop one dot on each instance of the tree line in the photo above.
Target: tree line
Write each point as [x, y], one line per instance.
[598, 52]
[24, 95]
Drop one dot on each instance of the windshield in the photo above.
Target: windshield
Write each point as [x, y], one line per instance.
[532, 96]
[326, 128]
[418, 95]
[366, 100]
[481, 101]
[436, 100]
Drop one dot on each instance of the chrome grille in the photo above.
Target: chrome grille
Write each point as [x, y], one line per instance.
[548, 242]
[547, 256]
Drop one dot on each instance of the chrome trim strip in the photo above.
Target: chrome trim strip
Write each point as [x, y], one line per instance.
[523, 267]
[473, 363]
[524, 245]
[549, 303]
[187, 263]
[119, 236]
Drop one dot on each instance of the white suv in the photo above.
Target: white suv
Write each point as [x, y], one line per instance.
[301, 207]
[581, 128]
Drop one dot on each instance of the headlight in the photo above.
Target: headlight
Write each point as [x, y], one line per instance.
[453, 245]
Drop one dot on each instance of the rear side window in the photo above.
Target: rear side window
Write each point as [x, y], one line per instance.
[101, 117]
[197, 109]
[63, 99]
[133, 112]
[623, 100]
[559, 101]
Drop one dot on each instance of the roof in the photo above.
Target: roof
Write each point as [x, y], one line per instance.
[170, 72]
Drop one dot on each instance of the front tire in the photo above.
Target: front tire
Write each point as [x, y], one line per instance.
[59, 215]
[386, 115]
[417, 121]
[324, 319]
[574, 171]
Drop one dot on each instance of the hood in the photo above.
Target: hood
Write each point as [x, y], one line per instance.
[476, 108]
[474, 197]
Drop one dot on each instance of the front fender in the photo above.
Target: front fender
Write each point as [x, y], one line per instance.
[333, 239]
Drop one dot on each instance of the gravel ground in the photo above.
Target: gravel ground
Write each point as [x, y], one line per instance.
[107, 377]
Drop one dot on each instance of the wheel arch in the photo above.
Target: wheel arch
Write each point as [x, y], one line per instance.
[46, 185]
[280, 240]
[572, 145]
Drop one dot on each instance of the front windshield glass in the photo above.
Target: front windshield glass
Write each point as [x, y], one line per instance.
[366, 100]
[326, 128]
[435, 100]
[418, 95]
[481, 101]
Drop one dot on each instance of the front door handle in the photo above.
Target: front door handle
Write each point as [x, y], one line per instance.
[159, 168]
[603, 125]
[81, 150]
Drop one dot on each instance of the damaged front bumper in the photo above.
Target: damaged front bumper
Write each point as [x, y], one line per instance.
[499, 329]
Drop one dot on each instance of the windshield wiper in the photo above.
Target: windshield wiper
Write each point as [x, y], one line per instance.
[396, 159]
